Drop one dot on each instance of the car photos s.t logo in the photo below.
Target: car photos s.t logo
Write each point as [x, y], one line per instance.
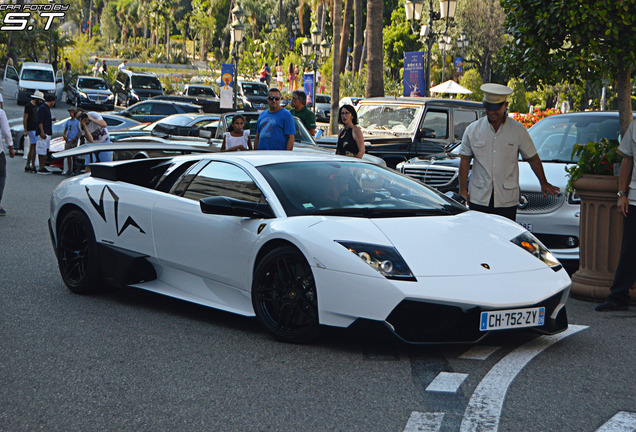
[20, 17]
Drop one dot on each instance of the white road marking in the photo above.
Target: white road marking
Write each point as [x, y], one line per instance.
[484, 408]
[479, 352]
[424, 422]
[446, 382]
[621, 422]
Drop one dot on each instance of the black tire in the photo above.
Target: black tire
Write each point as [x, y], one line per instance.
[284, 296]
[77, 254]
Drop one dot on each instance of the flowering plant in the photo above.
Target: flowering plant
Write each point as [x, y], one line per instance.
[531, 118]
[594, 158]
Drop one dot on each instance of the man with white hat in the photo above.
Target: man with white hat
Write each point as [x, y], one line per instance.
[495, 142]
[30, 123]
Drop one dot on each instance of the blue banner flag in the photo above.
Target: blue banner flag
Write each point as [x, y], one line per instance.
[414, 80]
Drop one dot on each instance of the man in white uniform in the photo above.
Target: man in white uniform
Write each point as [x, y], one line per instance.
[495, 142]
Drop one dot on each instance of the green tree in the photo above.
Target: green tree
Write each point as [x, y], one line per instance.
[398, 39]
[572, 41]
[517, 100]
[472, 81]
[375, 54]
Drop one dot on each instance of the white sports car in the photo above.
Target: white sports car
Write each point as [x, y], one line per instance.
[303, 240]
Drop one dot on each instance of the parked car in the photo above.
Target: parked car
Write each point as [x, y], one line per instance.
[254, 94]
[189, 124]
[114, 122]
[398, 129]
[323, 108]
[199, 90]
[90, 93]
[554, 220]
[132, 87]
[350, 100]
[33, 76]
[303, 240]
[153, 110]
[207, 104]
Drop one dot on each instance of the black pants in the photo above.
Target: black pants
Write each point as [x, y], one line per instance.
[625, 275]
[507, 212]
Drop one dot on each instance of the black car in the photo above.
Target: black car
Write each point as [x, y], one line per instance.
[152, 110]
[132, 87]
[175, 125]
[90, 93]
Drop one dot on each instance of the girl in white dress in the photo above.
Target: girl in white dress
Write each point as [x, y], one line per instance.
[236, 138]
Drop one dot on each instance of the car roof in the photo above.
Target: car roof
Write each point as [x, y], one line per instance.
[91, 77]
[268, 157]
[168, 102]
[421, 101]
[589, 114]
[37, 65]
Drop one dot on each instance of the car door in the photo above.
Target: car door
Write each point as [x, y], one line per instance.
[433, 133]
[59, 84]
[213, 247]
[141, 111]
[10, 83]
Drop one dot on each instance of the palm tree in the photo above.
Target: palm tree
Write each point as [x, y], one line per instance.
[358, 34]
[344, 41]
[335, 82]
[375, 57]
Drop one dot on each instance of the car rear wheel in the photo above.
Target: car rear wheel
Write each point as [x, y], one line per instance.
[77, 254]
[284, 296]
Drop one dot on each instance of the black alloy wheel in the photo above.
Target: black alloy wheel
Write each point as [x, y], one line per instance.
[284, 296]
[77, 254]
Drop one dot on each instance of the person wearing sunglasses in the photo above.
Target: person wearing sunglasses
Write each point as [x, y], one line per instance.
[275, 129]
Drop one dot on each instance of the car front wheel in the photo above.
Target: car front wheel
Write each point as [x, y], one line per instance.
[284, 296]
[77, 254]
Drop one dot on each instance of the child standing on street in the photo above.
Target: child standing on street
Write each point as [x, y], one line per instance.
[236, 139]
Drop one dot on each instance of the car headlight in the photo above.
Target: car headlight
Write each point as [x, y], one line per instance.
[82, 94]
[386, 260]
[531, 244]
[110, 97]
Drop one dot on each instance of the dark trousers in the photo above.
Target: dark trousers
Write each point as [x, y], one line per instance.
[3, 172]
[625, 275]
[507, 212]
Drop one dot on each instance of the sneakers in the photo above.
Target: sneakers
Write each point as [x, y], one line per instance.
[44, 171]
[610, 306]
[66, 173]
[2, 212]
[28, 169]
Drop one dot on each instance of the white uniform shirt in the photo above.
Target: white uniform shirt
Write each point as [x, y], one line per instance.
[628, 148]
[495, 160]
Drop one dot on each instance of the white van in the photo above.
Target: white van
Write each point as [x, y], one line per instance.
[33, 76]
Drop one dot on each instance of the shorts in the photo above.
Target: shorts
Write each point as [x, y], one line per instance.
[33, 138]
[42, 146]
[70, 144]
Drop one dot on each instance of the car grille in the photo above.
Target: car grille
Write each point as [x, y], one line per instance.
[535, 202]
[434, 176]
[97, 97]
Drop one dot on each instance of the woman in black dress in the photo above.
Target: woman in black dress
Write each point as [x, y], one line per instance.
[350, 139]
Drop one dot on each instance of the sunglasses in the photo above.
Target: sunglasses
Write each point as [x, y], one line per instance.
[273, 98]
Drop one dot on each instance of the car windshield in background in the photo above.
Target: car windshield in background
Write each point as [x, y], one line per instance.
[205, 91]
[353, 189]
[177, 120]
[555, 136]
[146, 82]
[250, 122]
[323, 99]
[92, 84]
[37, 75]
[388, 117]
[254, 89]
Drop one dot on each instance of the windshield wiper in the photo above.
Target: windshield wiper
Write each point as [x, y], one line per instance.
[386, 129]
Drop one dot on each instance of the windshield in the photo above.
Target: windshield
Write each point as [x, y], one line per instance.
[323, 99]
[555, 136]
[254, 89]
[205, 91]
[353, 189]
[145, 82]
[389, 117]
[92, 84]
[37, 75]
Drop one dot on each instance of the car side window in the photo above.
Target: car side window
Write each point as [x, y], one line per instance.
[141, 108]
[112, 122]
[436, 122]
[461, 119]
[163, 109]
[224, 179]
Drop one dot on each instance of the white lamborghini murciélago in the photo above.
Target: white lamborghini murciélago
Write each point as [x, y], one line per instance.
[303, 240]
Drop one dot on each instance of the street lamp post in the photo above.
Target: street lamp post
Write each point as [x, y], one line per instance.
[295, 30]
[318, 47]
[444, 45]
[237, 37]
[462, 42]
[413, 11]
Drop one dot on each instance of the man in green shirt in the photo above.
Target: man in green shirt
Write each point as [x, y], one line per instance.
[300, 110]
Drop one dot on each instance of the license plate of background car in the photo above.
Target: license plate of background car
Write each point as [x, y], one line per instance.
[527, 226]
[513, 318]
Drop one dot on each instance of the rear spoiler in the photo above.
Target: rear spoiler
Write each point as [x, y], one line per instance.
[98, 148]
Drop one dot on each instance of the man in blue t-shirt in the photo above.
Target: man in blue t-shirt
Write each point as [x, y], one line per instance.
[275, 129]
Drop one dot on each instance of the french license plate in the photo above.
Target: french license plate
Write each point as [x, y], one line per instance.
[513, 318]
[527, 226]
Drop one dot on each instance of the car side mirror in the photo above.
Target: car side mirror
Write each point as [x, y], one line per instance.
[205, 134]
[426, 133]
[227, 206]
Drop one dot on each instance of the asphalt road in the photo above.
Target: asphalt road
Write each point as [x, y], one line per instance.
[132, 360]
